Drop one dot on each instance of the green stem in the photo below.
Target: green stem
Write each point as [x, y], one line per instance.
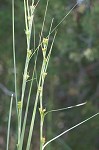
[28, 25]
[41, 132]
[27, 106]
[50, 106]
[41, 108]
[14, 57]
[34, 113]
[9, 122]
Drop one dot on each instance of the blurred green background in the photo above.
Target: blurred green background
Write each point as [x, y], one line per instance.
[73, 73]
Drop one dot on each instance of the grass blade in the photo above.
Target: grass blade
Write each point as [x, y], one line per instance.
[62, 109]
[53, 139]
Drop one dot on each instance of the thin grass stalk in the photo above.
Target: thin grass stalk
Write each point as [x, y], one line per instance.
[41, 93]
[34, 39]
[41, 109]
[43, 22]
[33, 114]
[64, 18]
[22, 97]
[41, 132]
[49, 130]
[24, 82]
[53, 139]
[56, 26]
[42, 65]
[32, 76]
[49, 54]
[34, 110]
[66, 108]
[28, 36]
[14, 55]
[33, 1]
[27, 106]
[28, 11]
[9, 123]
[14, 58]
[26, 18]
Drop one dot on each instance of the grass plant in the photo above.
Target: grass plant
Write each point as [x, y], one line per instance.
[46, 47]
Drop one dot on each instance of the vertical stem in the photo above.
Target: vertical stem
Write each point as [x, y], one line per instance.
[13, 28]
[49, 118]
[41, 117]
[41, 132]
[28, 24]
[9, 122]
[42, 111]
[33, 114]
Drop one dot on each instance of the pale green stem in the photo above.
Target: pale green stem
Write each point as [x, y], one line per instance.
[33, 114]
[41, 107]
[22, 97]
[14, 57]
[53, 139]
[49, 54]
[9, 122]
[43, 21]
[27, 106]
[62, 109]
[41, 132]
[42, 84]
[28, 9]
[28, 35]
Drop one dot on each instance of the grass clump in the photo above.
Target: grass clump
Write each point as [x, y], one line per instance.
[46, 47]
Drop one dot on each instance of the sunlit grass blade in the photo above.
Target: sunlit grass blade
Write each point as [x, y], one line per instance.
[9, 122]
[53, 139]
[62, 109]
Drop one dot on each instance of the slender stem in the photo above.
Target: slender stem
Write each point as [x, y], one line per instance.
[41, 133]
[43, 21]
[9, 122]
[56, 26]
[50, 106]
[14, 57]
[62, 109]
[53, 139]
[27, 106]
[33, 114]
[41, 108]
[28, 24]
